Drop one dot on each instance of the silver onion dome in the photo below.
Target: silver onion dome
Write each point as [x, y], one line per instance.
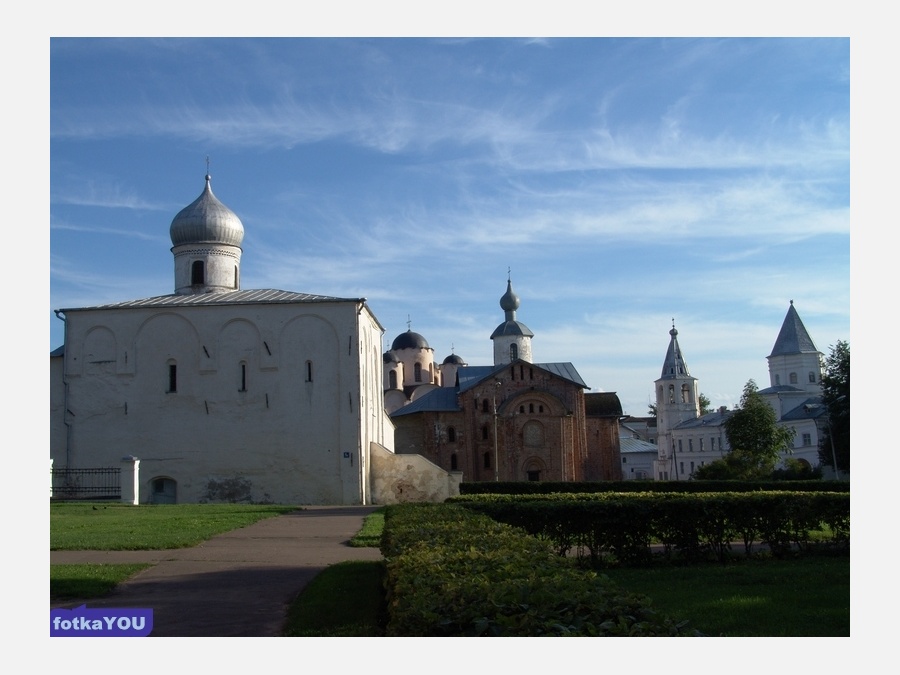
[206, 220]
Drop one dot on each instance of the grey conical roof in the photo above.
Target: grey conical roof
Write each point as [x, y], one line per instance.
[793, 337]
[674, 366]
[206, 220]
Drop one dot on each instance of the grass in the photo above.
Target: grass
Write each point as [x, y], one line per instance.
[123, 527]
[808, 596]
[68, 582]
[803, 597]
[344, 600]
[370, 533]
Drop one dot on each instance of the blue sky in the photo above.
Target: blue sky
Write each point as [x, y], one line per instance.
[623, 182]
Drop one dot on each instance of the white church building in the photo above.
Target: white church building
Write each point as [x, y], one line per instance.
[687, 440]
[223, 394]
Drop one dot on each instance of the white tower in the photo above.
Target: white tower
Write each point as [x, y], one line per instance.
[794, 360]
[512, 339]
[677, 400]
[206, 242]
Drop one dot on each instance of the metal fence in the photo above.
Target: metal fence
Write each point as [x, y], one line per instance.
[102, 483]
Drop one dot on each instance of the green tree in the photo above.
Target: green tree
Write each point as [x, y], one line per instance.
[836, 397]
[705, 404]
[754, 435]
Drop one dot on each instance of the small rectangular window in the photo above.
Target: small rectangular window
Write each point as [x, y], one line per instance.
[173, 378]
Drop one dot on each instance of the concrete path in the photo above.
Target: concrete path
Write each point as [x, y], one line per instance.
[236, 584]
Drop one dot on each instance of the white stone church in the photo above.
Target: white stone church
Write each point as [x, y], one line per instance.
[223, 393]
[686, 440]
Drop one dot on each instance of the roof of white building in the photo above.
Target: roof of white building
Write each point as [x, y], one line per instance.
[793, 337]
[630, 446]
[268, 296]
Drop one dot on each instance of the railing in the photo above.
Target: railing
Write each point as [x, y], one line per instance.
[100, 483]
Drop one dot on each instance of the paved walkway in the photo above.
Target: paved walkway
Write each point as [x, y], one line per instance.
[236, 584]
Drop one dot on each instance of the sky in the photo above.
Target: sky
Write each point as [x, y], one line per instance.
[620, 183]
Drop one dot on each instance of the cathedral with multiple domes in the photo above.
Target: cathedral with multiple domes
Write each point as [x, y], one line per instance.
[513, 420]
[226, 394]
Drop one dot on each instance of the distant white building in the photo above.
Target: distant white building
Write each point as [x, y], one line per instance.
[687, 440]
[638, 458]
[223, 393]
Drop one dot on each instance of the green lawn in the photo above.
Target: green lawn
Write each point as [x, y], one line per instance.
[345, 600]
[123, 527]
[120, 527]
[808, 596]
[69, 582]
[803, 597]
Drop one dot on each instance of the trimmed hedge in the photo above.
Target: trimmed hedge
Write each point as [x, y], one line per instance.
[692, 486]
[620, 528]
[454, 572]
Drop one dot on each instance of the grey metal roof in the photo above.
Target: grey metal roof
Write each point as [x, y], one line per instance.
[780, 389]
[250, 297]
[564, 370]
[630, 446]
[810, 409]
[469, 376]
[512, 328]
[442, 399]
[674, 366]
[713, 419]
[793, 337]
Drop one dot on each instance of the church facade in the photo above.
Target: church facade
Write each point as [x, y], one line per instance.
[515, 420]
[223, 394]
[687, 440]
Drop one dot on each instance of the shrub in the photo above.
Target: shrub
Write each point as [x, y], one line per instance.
[453, 572]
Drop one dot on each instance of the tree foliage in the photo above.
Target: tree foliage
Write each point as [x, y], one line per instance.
[836, 396]
[705, 404]
[755, 438]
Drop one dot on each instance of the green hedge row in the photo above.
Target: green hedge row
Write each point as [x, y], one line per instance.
[538, 487]
[621, 528]
[452, 572]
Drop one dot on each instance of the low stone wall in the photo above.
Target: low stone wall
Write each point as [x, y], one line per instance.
[404, 478]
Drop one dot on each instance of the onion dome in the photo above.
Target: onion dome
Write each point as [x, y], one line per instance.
[206, 220]
[510, 301]
[410, 340]
[391, 357]
[454, 359]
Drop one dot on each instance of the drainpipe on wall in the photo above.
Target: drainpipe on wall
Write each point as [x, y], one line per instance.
[62, 317]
